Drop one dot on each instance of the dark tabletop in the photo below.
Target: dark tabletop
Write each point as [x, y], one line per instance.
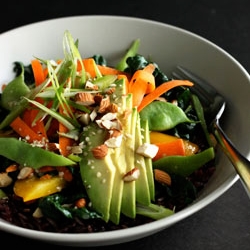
[225, 223]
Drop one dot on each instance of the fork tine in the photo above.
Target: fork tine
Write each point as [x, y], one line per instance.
[203, 89]
[207, 94]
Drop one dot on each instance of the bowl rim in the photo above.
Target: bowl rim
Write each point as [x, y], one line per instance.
[128, 234]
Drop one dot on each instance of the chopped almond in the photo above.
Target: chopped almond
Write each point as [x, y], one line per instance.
[85, 98]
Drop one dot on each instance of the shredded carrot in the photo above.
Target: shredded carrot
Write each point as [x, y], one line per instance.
[175, 147]
[151, 84]
[29, 116]
[38, 71]
[46, 177]
[11, 168]
[160, 90]
[90, 66]
[65, 143]
[67, 175]
[25, 131]
[141, 83]
[106, 70]
[3, 86]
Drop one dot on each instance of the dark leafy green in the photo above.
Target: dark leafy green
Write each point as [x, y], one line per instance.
[60, 206]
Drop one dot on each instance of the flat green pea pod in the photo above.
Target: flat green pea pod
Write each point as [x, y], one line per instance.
[14, 91]
[184, 165]
[163, 115]
[27, 155]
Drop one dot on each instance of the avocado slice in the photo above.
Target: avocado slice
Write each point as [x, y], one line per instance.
[129, 191]
[103, 179]
[97, 174]
[142, 187]
[148, 161]
[118, 155]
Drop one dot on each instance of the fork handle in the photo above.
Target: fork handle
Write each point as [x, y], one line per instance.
[240, 163]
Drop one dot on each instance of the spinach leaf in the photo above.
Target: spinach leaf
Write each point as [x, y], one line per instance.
[163, 115]
[59, 206]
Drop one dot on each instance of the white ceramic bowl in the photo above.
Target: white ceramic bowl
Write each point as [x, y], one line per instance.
[168, 46]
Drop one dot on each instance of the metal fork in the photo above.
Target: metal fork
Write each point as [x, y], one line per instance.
[214, 106]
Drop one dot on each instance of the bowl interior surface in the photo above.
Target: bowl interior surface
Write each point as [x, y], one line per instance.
[168, 46]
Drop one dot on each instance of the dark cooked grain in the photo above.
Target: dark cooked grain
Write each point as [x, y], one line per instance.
[15, 211]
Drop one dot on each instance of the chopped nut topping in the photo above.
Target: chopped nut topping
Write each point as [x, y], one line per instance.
[147, 150]
[104, 104]
[85, 98]
[113, 108]
[91, 86]
[5, 180]
[25, 172]
[132, 175]
[162, 177]
[100, 152]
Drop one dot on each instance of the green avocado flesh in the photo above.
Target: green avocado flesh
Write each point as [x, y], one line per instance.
[109, 193]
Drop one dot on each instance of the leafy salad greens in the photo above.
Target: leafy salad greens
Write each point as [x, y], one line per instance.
[82, 139]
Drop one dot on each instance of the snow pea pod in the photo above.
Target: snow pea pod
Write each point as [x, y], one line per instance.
[184, 165]
[22, 105]
[163, 115]
[13, 92]
[28, 155]
[200, 113]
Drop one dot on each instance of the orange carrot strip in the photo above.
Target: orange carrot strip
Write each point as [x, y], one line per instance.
[138, 90]
[145, 75]
[38, 71]
[29, 116]
[46, 177]
[25, 131]
[89, 65]
[106, 70]
[3, 86]
[175, 147]
[67, 175]
[151, 84]
[65, 143]
[160, 90]
[11, 168]
[140, 82]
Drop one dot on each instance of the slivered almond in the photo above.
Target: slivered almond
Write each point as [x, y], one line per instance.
[132, 175]
[113, 108]
[100, 152]
[104, 104]
[85, 98]
[5, 180]
[162, 177]
[25, 172]
[110, 91]
[113, 133]
[90, 85]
